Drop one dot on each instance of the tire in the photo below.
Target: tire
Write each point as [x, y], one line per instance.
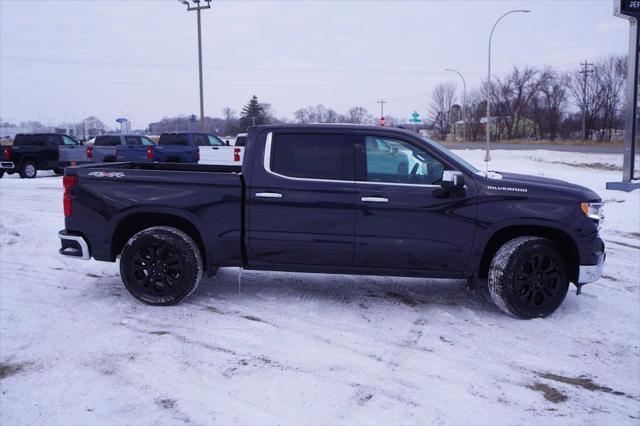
[161, 266]
[109, 159]
[1, 173]
[58, 171]
[28, 170]
[528, 278]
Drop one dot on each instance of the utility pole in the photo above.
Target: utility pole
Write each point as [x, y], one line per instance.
[464, 104]
[585, 75]
[198, 7]
[382, 102]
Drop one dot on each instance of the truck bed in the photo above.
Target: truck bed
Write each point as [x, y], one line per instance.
[176, 167]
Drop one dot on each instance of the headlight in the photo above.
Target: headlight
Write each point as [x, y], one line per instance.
[593, 211]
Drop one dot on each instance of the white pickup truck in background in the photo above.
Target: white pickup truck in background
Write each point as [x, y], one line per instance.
[223, 154]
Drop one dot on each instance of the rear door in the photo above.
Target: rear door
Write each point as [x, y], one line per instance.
[404, 219]
[301, 199]
[70, 150]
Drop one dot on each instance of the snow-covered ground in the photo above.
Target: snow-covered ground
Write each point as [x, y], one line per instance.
[76, 349]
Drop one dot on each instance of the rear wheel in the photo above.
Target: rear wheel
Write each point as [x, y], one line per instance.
[528, 278]
[28, 170]
[161, 265]
[58, 170]
[1, 173]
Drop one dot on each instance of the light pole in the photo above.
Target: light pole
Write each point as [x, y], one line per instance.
[198, 7]
[487, 156]
[464, 104]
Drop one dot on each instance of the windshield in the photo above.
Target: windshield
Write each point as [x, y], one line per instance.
[441, 149]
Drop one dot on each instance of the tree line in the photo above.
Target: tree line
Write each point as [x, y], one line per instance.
[539, 103]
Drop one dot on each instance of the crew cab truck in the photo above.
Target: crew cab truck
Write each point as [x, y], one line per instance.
[40, 151]
[105, 147]
[320, 198]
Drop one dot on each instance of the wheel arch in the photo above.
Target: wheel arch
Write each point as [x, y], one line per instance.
[136, 222]
[565, 243]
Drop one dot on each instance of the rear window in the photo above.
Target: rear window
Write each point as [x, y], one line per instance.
[29, 140]
[312, 156]
[241, 141]
[107, 141]
[173, 139]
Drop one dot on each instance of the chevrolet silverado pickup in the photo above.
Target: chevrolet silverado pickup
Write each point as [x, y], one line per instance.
[336, 199]
[40, 151]
[104, 148]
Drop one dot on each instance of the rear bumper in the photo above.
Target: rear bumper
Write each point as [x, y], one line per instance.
[74, 245]
[590, 273]
[7, 165]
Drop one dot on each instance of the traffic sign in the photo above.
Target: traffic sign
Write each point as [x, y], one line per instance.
[415, 118]
[382, 121]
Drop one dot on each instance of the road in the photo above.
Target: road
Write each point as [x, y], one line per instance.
[516, 146]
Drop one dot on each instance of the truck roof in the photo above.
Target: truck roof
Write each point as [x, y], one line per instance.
[335, 126]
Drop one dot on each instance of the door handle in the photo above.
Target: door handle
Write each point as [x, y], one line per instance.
[375, 199]
[268, 195]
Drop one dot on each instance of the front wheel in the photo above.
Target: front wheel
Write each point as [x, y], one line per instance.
[28, 170]
[528, 278]
[161, 265]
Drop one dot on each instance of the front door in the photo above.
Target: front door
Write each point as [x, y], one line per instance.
[404, 220]
[301, 200]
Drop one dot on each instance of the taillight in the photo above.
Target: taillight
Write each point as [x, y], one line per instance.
[68, 182]
[6, 153]
[89, 153]
[198, 155]
[236, 154]
[150, 153]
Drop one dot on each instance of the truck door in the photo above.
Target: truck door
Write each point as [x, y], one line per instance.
[301, 199]
[403, 219]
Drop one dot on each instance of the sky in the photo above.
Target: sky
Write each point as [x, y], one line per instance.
[66, 60]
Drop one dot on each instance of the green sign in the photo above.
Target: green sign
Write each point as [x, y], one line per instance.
[415, 118]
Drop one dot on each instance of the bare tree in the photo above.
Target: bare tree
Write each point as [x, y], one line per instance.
[358, 115]
[442, 99]
[548, 105]
[610, 75]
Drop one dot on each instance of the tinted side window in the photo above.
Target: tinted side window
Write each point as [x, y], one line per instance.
[107, 141]
[312, 156]
[66, 140]
[133, 140]
[173, 139]
[147, 142]
[28, 140]
[214, 141]
[241, 141]
[396, 161]
[54, 140]
[200, 140]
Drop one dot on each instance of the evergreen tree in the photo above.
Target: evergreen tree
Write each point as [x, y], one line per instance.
[253, 113]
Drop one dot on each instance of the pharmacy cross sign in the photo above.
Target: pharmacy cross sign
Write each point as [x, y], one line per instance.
[415, 118]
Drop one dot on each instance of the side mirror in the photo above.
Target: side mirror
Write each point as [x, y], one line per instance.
[452, 179]
[228, 142]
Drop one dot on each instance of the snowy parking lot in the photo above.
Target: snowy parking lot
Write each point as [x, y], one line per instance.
[77, 349]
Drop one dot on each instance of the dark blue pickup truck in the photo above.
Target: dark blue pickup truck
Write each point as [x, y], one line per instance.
[336, 199]
[172, 148]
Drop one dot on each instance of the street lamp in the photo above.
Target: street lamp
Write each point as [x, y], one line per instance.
[198, 6]
[464, 104]
[487, 156]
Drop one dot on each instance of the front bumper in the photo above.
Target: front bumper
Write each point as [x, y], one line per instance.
[74, 245]
[590, 273]
[7, 165]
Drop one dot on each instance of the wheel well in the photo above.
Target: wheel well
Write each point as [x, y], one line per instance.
[563, 241]
[26, 158]
[135, 223]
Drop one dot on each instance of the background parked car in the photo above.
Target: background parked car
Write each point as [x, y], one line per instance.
[104, 148]
[40, 151]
